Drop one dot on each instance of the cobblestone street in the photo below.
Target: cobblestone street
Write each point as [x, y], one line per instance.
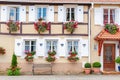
[62, 77]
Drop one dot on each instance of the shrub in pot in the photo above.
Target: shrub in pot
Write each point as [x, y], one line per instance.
[117, 60]
[96, 67]
[87, 67]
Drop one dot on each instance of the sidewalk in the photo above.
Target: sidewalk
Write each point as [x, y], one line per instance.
[62, 77]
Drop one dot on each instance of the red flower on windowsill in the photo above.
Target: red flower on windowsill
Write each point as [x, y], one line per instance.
[70, 26]
[13, 26]
[41, 26]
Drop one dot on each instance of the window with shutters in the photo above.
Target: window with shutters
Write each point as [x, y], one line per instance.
[51, 45]
[109, 16]
[70, 14]
[72, 46]
[30, 45]
[41, 13]
[14, 14]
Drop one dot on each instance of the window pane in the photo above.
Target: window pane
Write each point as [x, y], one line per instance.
[33, 43]
[12, 14]
[105, 16]
[17, 14]
[112, 15]
[33, 48]
[67, 14]
[75, 43]
[72, 14]
[44, 13]
[39, 13]
[27, 48]
[27, 42]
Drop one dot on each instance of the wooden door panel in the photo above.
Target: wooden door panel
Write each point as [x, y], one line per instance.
[109, 57]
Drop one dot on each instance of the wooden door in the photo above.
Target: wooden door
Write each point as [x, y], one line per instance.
[109, 57]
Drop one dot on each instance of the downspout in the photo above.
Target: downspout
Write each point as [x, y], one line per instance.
[89, 31]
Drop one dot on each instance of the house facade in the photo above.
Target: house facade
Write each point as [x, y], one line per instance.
[86, 40]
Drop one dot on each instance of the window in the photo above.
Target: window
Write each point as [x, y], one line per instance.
[70, 14]
[30, 45]
[51, 45]
[41, 13]
[109, 16]
[14, 14]
[72, 46]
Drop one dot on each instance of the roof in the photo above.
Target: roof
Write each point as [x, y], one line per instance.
[62, 1]
[104, 35]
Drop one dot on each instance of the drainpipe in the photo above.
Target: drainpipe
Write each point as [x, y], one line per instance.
[89, 31]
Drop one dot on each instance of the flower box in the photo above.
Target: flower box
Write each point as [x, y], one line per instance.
[13, 26]
[70, 26]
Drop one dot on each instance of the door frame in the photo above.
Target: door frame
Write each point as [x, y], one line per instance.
[116, 53]
[113, 52]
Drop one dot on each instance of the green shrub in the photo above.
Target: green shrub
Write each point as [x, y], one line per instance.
[11, 72]
[87, 65]
[14, 61]
[117, 60]
[96, 65]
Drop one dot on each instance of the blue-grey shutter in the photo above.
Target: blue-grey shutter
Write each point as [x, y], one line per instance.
[79, 14]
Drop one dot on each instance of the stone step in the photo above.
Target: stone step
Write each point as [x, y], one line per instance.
[110, 72]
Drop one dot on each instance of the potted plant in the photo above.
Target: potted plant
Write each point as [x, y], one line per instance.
[14, 70]
[73, 53]
[13, 26]
[117, 60]
[70, 26]
[2, 50]
[111, 28]
[29, 56]
[50, 59]
[87, 68]
[51, 53]
[96, 67]
[73, 58]
[41, 26]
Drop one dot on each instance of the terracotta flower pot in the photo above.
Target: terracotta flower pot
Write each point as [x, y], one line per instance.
[87, 70]
[96, 70]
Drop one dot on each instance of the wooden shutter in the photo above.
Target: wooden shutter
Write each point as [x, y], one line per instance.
[32, 13]
[61, 48]
[50, 14]
[79, 14]
[61, 13]
[84, 48]
[40, 47]
[98, 16]
[22, 15]
[18, 47]
[4, 13]
[117, 16]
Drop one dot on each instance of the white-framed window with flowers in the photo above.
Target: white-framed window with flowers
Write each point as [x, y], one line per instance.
[72, 46]
[41, 13]
[109, 15]
[70, 14]
[14, 13]
[30, 45]
[51, 45]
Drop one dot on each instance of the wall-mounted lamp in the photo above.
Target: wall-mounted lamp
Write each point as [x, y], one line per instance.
[62, 44]
[118, 46]
[95, 47]
[41, 44]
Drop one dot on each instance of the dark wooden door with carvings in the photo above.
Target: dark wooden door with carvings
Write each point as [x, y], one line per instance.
[109, 57]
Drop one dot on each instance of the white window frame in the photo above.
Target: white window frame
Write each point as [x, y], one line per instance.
[30, 45]
[41, 11]
[70, 13]
[15, 16]
[109, 14]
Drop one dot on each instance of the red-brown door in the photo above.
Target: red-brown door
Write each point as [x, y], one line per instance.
[109, 57]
